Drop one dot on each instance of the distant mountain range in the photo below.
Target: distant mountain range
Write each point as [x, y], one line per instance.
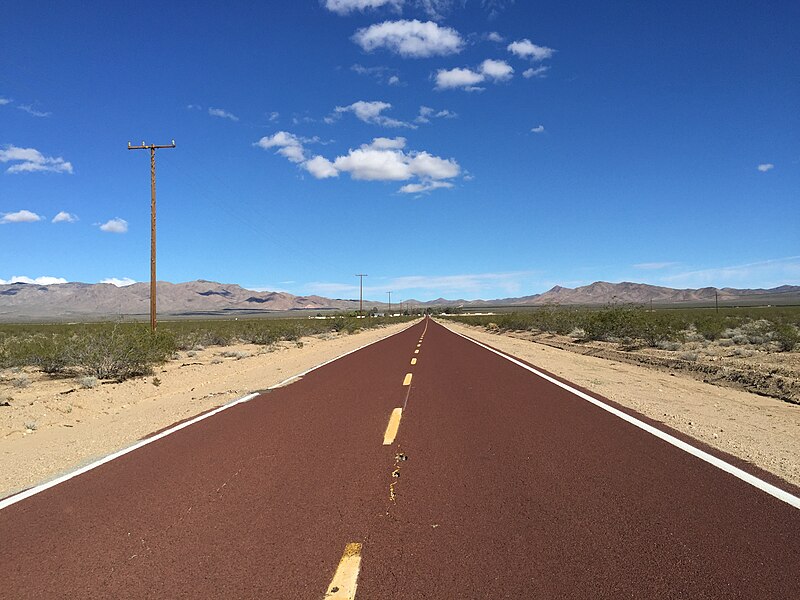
[81, 301]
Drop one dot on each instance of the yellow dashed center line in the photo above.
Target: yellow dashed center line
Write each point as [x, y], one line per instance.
[418, 345]
[413, 361]
[416, 351]
[407, 380]
[394, 425]
[345, 580]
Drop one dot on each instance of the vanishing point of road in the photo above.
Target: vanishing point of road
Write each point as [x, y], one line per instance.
[421, 466]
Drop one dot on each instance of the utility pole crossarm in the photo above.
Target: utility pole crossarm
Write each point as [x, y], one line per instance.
[151, 146]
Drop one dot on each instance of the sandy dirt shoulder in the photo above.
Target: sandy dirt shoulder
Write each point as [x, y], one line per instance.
[763, 431]
[52, 426]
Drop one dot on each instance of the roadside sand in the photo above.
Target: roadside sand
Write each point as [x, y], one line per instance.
[763, 431]
[74, 426]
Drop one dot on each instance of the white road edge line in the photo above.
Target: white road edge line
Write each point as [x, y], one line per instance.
[770, 489]
[66, 477]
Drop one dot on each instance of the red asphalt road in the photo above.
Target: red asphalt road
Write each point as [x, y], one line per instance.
[513, 488]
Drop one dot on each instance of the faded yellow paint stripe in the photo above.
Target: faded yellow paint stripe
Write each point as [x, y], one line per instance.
[416, 351]
[407, 380]
[394, 425]
[345, 580]
[418, 345]
[413, 361]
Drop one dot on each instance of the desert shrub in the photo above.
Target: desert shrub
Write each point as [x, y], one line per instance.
[786, 336]
[689, 356]
[21, 381]
[120, 352]
[710, 327]
[88, 382]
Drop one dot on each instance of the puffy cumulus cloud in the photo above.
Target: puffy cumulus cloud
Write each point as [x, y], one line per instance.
[222, 114]
[320, 167]
[468, 79]
[368, 164]
[288, 145]
[29, 160]
[527, 49]
[44, 280]
[764, 167]
[419, 188]
[123, 282]
[499, 70]
[64, 217]
[345, 7]
[538, 129]
[540, 71]
[493, 36]
[458, 77]
[382, 159]
[21, 216]
[410, 39]
[115, 225]
[371, 112]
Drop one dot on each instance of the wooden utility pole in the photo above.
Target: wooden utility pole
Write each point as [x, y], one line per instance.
[361, 293]
[390, 303]
[152, 148]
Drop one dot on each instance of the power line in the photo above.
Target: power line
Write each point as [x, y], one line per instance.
[152, 148]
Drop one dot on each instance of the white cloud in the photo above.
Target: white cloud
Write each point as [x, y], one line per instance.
[410, 39]
[468, 79]
[537, 72]
[538, 129]
[273, 116]
[417, 188]
[371, 112]
[344, 7]
[766, 274]
[499, 70]
[29, 160]
[115, 225]
[374, 165]
[321, 168]
[493, 36]
[457, 78]
[471, 285]
[123, 282]
[222, 113]
[4, 101]
[64, 217]
[394, 80]
[435, 9]
[44, 280]
[527, 49]
[383, 159]
[21, 216]
[33, 112]
[288, 144]
[193, 107]
[765, 167]
[382, 143]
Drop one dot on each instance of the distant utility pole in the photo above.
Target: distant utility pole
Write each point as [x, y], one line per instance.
[361, 293]
[716, 300]
[390, 302]
[152, 148]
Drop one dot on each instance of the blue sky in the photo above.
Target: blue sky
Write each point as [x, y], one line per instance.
[465, 149]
